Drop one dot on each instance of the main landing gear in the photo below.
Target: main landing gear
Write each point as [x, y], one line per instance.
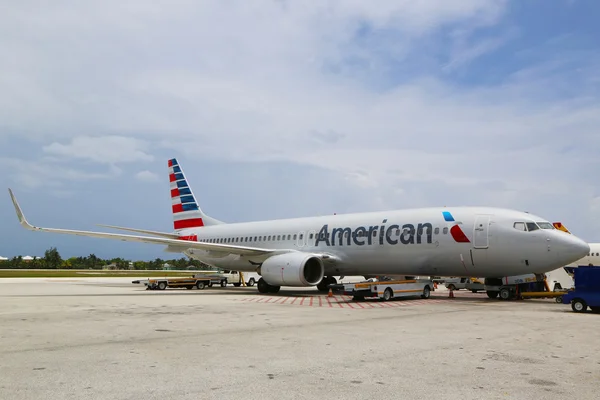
[264, 287]
[324, 285]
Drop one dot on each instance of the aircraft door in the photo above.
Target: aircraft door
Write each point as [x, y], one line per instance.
[301, 239]
[481, 232]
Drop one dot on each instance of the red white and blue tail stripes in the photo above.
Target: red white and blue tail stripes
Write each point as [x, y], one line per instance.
[186, 213]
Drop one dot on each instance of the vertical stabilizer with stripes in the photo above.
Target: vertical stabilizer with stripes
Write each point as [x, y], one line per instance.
[186, 211]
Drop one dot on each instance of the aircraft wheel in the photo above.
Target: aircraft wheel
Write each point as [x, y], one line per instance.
[492, 294]
[274, 289]
[263, 287]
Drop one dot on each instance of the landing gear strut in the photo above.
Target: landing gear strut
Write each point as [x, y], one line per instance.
[324, 285]
[264, 287]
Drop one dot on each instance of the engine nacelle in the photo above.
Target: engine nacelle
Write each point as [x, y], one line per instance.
[293, 269]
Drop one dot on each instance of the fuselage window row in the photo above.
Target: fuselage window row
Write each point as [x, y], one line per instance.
[269, 238]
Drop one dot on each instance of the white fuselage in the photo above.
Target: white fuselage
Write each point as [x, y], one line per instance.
[409, 242]
[593, 257]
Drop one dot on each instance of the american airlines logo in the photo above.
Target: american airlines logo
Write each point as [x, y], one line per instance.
[393, 234]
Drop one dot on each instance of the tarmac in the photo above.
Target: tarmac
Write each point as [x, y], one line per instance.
[106, 338]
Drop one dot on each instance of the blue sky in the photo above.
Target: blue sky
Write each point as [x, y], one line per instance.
[291, 108]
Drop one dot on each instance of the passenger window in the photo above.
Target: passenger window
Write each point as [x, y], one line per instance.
[295, 237]
[255, 238]
[278, 237]
[436, 231]
[520, 226]
[289, 237]
[445, 230]
[301, 236]
[310, 236]
[532, 226]
[375, 233]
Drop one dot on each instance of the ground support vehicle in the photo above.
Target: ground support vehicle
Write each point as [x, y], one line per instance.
[388, 289]
[472, 284]
[586, 292]
[198, 282]
[521, 287]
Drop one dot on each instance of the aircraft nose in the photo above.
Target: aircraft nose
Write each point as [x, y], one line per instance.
[573, 248]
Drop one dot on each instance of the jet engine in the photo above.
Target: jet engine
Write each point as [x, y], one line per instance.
[292, 269]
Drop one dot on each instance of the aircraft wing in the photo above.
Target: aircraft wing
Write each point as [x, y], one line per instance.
[184, 244]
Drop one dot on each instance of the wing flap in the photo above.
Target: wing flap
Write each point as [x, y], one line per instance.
[154, 233]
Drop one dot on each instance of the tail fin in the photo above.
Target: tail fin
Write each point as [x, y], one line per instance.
[560, 226]
[186, 211]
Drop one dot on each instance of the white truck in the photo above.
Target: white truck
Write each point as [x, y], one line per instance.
[388, 289]
[235, 278]
[472, 284]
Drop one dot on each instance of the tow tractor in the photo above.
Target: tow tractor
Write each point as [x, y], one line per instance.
[587, 290]
[386, 288]
[522, 287]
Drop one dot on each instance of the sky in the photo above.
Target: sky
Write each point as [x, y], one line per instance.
[285, 108]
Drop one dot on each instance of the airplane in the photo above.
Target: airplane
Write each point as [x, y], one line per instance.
[590, 259]
[305, 252]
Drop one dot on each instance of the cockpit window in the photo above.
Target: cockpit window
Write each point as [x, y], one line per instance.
[532, 226]
[545, 225]
[520, 226]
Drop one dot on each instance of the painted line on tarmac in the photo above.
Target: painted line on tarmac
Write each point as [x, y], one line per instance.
[340, 302]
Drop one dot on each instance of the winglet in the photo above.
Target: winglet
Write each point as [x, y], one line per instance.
[19, 212]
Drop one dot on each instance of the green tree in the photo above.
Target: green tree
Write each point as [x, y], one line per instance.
[52, 258]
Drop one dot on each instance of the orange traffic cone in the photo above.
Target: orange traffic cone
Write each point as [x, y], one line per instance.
[451, 294]
[330, 294]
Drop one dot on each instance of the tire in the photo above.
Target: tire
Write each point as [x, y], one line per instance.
[505, 294]
[559, 299]
[579, 306]
[426, 293]
[162, 285]
[274, 289]
[387, 294]
[251, 282]
[263, 287]
[200, 285]
[224, 283]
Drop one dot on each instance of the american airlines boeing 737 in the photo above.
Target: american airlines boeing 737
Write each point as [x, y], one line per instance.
[439, 241]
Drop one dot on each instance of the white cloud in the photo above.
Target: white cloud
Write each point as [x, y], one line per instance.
[147, 176]
[102, 149]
